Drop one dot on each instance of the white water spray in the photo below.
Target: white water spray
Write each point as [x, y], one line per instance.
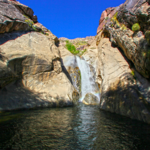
[87, 81]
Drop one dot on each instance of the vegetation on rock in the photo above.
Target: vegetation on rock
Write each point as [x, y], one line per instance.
[82, 52]
[80, 43]
[133, 73]
[29, 22]
[136, 27]
[71, 48]
[115, 21]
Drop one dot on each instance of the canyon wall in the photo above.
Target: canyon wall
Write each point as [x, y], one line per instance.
[124, 59]
[31, 73]
[36, 69]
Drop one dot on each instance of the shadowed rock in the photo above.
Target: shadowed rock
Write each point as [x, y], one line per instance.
[32, 60]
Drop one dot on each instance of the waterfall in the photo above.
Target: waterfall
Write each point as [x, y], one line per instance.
[88, 84]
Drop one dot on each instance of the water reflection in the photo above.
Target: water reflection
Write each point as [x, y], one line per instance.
[81, 127]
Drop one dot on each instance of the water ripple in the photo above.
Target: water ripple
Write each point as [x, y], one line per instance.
[81, 127]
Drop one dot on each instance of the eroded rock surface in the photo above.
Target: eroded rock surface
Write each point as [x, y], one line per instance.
[120, 90]
[10, 18]
[118, 27]
[31, 73]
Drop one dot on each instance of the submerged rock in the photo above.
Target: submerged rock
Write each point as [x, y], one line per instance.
[90, 99]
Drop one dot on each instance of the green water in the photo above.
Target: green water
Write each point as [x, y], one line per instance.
[77, 128]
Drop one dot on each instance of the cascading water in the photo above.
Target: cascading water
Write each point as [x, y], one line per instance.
[88, 84]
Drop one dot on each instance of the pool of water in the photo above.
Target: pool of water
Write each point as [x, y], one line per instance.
[78, 128]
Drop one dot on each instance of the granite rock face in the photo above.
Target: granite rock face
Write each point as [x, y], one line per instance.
[10, 18]
[118, 27]
[120, 91]
[25, 10]
[31, 73]
[15, 16]
[123, 60]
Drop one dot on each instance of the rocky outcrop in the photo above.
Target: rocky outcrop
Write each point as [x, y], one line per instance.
[119, 26]
[31, 73]
[123, 54]
[15, 16]
[120, 92]
[79, 43]
[10, 18]
[25, 10]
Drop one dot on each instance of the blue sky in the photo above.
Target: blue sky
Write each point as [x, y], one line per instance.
[70, 18]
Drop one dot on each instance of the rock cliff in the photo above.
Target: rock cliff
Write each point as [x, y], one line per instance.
[123, 62]
[36, 69]
[31, 73]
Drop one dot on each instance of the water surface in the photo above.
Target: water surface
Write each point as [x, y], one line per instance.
[78, 128]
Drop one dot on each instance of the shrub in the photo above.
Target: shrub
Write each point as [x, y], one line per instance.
[133, 73]
[114, 19]
[115, 15]
[136, 27]
[71, 48]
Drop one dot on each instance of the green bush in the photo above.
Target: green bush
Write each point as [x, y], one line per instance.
[133, 73]
[136, 27]
[71, 48]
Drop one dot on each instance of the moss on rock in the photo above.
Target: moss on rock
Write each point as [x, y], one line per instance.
[136, 27]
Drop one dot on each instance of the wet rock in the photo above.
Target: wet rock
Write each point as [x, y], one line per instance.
[90, 99]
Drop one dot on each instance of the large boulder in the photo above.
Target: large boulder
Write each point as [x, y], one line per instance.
[31, 73]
